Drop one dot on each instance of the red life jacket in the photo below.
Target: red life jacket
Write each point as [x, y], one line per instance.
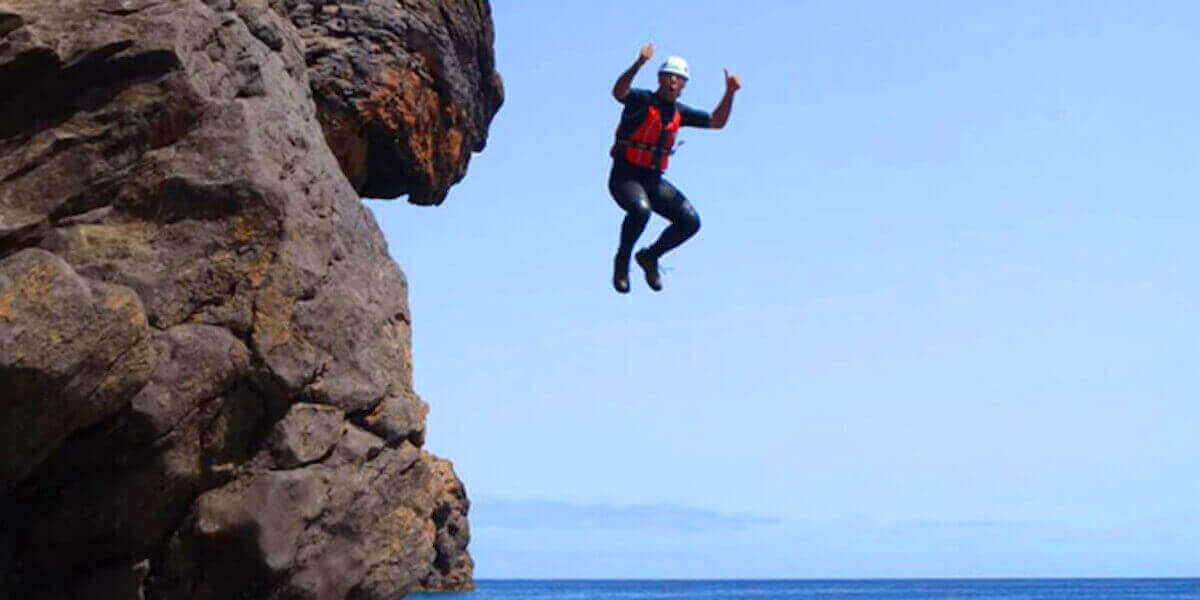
[648, 140]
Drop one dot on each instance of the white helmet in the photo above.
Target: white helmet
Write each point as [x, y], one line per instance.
[675, 65]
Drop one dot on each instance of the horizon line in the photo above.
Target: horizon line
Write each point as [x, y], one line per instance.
[820, 579]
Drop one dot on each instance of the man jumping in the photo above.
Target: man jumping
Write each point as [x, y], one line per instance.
[645, 140]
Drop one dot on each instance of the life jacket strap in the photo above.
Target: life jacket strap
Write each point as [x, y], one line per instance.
[647, 147]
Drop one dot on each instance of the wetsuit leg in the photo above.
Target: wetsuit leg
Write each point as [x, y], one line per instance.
[668, 201]
[631, 195]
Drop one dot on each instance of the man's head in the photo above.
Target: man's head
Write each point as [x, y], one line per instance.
[672, 77]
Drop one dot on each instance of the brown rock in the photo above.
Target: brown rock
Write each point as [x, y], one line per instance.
[72, 352]
[403, 112]
[453, 565]
[124, 506]
[204, 345]
[196, 363]
[396, 419]
[307, 433]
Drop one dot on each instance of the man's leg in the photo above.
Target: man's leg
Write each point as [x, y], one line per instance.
[669, 202]
[630, 194]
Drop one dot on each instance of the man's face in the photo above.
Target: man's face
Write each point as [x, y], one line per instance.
[670, 85]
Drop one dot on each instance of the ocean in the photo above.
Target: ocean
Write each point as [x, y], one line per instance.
[875, 589]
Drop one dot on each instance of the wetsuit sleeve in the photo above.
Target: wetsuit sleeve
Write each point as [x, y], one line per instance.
[691, 117]
[636, 97]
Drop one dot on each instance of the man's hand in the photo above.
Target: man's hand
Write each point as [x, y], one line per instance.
[733, 83]
[646, 53]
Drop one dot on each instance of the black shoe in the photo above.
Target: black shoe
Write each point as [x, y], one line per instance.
[621, 276]
[649, 264]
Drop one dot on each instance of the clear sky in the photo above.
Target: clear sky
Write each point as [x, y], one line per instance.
[940, 320]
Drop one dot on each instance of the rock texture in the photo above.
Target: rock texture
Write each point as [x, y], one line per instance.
[433, 92]
[205, 364]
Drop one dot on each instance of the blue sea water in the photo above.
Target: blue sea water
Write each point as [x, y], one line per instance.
[877, 589]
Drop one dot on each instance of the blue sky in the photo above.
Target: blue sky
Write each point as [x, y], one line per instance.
[940, 319]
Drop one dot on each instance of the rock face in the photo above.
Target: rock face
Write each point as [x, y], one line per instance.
[433, 89]
[205, 365]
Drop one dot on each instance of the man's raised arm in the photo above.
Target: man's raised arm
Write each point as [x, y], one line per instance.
[621, 87]
[720, 116]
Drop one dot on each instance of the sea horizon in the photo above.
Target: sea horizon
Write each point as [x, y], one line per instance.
[957, 588]
[982, 578]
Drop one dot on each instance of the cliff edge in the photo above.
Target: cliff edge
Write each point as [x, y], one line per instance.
[205, 363]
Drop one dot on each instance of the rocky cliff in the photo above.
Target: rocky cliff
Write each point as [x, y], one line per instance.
[205, 365]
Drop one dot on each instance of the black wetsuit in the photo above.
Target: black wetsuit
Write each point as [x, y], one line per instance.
[639, 191]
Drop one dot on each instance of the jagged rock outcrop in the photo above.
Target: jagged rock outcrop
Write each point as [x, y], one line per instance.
[205, 365]
[434, 89]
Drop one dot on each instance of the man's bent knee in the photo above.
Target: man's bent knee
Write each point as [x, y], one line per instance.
[640, 208]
